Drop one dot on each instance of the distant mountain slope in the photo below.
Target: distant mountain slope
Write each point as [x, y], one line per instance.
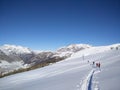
[73, 48]
[3, 56]
[19, 53]
[14, 49]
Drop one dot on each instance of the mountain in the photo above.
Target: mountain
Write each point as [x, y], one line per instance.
[73, 73]
[13, 49]
[17, 53]
[71, 49]
[74, 48]
[3, 56]
[26, 57]
[14, 57]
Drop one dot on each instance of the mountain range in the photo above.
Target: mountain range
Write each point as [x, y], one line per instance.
[14, 57]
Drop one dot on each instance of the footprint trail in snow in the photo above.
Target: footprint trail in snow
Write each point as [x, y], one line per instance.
[90, 81]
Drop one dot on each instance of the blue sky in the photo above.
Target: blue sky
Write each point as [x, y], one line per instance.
[50, 24]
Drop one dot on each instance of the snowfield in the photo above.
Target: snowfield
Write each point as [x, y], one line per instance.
[74, 73]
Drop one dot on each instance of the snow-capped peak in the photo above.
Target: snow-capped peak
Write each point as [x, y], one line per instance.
[71, 49]
[79, 45]
[8, 49]
[74, 47]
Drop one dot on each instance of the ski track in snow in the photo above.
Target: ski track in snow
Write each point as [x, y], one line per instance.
[86, 84]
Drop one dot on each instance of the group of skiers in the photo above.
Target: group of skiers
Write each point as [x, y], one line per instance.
[97, 64]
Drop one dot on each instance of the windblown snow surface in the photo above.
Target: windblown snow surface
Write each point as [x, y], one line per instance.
[74, 73]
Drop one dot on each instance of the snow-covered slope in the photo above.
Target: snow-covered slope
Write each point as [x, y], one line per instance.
[74, 73]
[95, 50]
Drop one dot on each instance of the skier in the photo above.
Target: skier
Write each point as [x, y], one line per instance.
[88, 61]
[99, 64]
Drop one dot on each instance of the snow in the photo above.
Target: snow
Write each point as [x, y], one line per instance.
[89, 51]
[71, 49]
[8, 49]
[87, 82]
[72, 74]
[115, 45]
[5, 63]
[80, 45]
[62, 54]
[6, 67]
[109, 78]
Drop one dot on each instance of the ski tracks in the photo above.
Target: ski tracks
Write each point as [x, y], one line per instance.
[89, 82]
